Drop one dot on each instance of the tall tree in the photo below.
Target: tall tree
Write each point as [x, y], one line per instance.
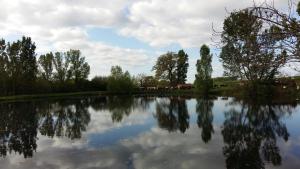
[248, 51]
[3, 67]
[182, 67]
[165, 68]
[22, 67]
[204, 70]
[79, 68]
[28, 60]
[61, 65]
[46, 64]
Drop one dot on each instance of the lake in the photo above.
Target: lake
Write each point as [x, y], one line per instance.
[149, 132]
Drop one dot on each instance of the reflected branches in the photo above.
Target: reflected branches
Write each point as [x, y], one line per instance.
[250, 134]
[172, 114]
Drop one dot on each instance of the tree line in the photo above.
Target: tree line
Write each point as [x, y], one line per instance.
[22, 72]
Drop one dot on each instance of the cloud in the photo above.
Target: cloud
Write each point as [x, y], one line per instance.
[188, 23]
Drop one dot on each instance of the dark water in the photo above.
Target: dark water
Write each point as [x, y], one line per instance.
[148, 132]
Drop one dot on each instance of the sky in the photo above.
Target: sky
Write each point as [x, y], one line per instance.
[129, 33]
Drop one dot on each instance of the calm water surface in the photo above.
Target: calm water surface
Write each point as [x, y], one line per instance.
[149, 132]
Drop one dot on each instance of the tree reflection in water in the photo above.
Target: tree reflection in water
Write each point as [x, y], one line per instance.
[250, 134]
[172, 114]
[64, 118]
[21, 121]
[18, 128]
[205, 117]
[120, 106]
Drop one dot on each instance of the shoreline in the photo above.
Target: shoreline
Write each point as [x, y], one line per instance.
[220, 92]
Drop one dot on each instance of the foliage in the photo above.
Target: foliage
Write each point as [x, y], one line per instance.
[203, 81]
[79, 69]
[120, 81]
[182, 67]
[149, 81]
[247, 55]
[61, 64]
[165, 68]
[21, 73]
[99, 83]
[172, 67]
[283, 27]
[46, 65]
[18, 66]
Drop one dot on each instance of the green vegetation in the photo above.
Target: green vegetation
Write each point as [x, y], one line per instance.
[203, 80]
[120, 81]
[249, 52]
[172, 68]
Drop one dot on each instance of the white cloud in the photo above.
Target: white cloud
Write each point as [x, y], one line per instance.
[189, 23]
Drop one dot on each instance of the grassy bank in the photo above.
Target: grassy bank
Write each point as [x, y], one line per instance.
[52, 95]
[233, 91]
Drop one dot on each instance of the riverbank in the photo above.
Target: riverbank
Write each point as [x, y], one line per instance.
[224, 91]
[101, 93]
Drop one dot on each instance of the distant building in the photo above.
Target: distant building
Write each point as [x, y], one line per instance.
[184, 86]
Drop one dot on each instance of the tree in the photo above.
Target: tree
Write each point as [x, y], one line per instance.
[165, 68]
[120, 81]
[245, 53]
[284, 27]
[22, 65]
[28, 60]
[61, 64]
[182, 67]
[79, 69]
[46, 64]
[203, 80]
[3, 67]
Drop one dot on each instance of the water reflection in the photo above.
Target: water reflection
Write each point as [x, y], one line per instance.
[18, 129]
[205, 117]
[250, 134]
[172, 114]
[64, 118]
[246, 136]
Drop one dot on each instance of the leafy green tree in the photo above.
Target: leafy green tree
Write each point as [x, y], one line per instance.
[79, 68]
[120, 81]
[22, 65]
[203, 79]
[61, 65]
[46, 64]
[249, 52]
[28, 60]
[182, 67]
[3, 67]
[165, 67]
